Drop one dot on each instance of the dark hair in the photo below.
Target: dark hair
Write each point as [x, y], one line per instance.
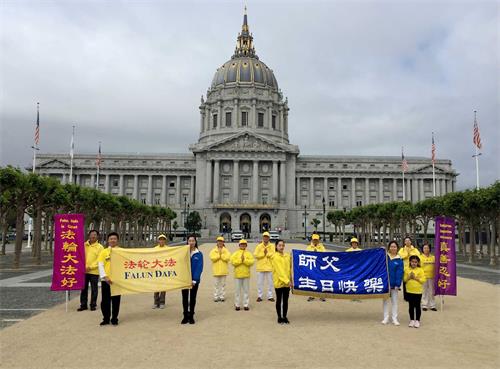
[113, 234]
[415, 257]
[427, 244]
[278, 241]
[391, 242]
[195, 239]
[408, 238]
[94, 230]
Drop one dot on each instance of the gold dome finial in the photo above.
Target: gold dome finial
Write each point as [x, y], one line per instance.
[244, 43]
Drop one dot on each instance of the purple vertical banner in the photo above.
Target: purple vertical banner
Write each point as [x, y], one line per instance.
[445, 281]
[68, 271]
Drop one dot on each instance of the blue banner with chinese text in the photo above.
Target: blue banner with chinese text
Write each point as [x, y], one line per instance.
[363, 273]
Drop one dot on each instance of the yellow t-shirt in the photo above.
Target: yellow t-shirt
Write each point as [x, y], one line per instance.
[427, 263]
[281, 270]
[92, 252]
[414, 285]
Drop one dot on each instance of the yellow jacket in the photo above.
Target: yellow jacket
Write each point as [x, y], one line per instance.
[405, 255]
[282, 272]
[242, 269]
[427, 263]
[414, 285]
[219, 261]
[352, 249]
[264, 260]
[92, 252]
[161, 247]
[319, 248]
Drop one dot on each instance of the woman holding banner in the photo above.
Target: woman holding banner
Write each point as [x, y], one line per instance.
[395, 267]
[189, 295]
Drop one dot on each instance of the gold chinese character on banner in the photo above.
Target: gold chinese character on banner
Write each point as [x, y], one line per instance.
[444, 247]
[68, 270]
[69, 257]
[444, 271]
[443, 283]
[443, 259]
[69, 246]
[68, 282]
[68, 235]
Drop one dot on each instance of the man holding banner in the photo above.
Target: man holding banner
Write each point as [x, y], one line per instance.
[316, 246]
[159, 297]
[92, 251]
[109, 304]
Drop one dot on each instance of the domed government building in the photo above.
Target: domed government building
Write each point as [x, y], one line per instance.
[243, 173]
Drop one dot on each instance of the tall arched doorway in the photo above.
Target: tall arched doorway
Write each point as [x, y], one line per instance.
[265, 222]
[225, 223]
[246, 224]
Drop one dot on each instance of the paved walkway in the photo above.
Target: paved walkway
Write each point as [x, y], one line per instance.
[335, 333]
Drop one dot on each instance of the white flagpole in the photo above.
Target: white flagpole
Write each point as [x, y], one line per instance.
[404, 192]
[433, 169]
[476, 156]
[403, 171]
[71, 153]
[98, 167]
[35, 149]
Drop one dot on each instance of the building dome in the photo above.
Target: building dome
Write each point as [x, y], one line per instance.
[244, 70]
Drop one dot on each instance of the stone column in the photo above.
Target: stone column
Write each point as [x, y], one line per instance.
[325, 191]
[421, 192]
[311, 192]
[92, 181]
[367, 191]
[209, 182]
[255, 182]
[164, 191]
[179, 192]
[283, 182]
[280, 123]
[275, 181]
[216, 181]
[269, 115]
[236, 182]
[219, 115]
[253, 119]
[394, 189]
[381, 190]
[149, 196]
[408, 189]
[207, 118]
[136, 187]
[339, 193]
[78, 179]
[193, 192]
[414, 191]
[353, 192]
[297, 191]
[121, 189]
[236, 119]
[106, 183]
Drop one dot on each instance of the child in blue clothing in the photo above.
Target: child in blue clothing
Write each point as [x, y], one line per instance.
[189, 295]
[395, 266]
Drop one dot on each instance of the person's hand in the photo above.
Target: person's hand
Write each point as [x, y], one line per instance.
[108, 280]
[412, 276]
[265, 251]
[242, 256]
[290, 285]
[87, 269]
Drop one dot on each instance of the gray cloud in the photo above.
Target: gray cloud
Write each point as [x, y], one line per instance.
[373, 75]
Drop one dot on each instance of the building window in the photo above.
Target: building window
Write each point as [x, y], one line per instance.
[331, 203]
[260, 121]
[214, 120]
[344, 165]
[274, 122]
[244, 118]
[332, 166]
[245, 182]
[115, 183]
[228, 119]
[172, 184]
[264, 198]
[344, 187]
[359, 203]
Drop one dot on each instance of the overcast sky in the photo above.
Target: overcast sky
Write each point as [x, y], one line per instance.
[361, 77]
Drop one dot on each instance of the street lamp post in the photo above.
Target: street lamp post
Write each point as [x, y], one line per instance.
[324, 220]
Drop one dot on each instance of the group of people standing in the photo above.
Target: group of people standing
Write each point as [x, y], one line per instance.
[406, 266]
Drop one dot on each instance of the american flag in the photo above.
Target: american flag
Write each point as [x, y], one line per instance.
[99, 157]
[404, 163]
[37, 127]
[477, 137]
[433, 150]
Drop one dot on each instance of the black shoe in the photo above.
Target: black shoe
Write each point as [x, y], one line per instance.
[237, 308]
[114, 322]
[286, 321]
[92, 308]
[424, 309]
[434, 309]
[191, 318]
[186, 319]
[280, 320]
[246, 308]
[104, 322]
[82, 308]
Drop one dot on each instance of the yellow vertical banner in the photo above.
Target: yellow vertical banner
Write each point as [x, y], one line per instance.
[150, 270]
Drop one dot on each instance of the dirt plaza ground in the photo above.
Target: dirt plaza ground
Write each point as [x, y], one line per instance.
[335, 333]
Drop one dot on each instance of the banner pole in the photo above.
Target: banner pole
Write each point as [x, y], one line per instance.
[442, 303]
[67, 300]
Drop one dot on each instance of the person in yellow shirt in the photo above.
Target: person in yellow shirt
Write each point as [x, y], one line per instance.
[282, 280]
[414, 278]
[160, 297]
[110, 305]
[405, 252]
[220, 257]
[354, 245]
[428, 260]
[92, 250]
[263, 253]
[315, 245]
[242, 260]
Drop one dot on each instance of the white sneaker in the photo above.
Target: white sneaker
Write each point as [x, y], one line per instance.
[155, 306]
[385, 321]
[395, 322]
[417, 324]
[162, 306]
[412, 324]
